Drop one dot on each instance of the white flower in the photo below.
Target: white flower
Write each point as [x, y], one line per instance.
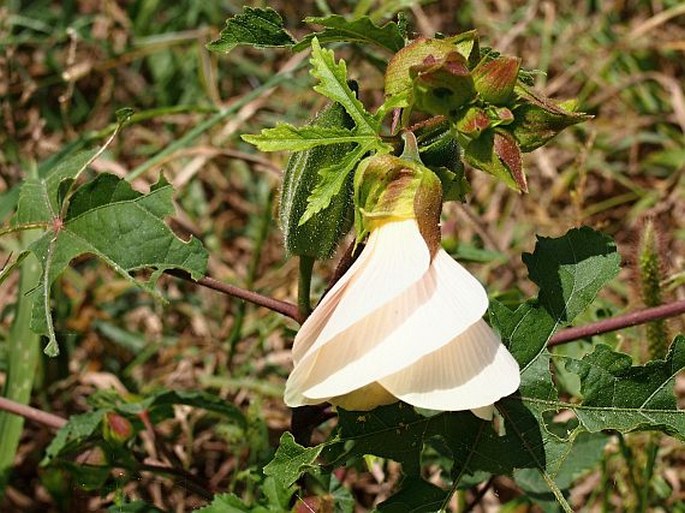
[402, 325]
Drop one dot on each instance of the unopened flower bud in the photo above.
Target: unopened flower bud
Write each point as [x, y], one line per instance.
[116, 428]
[442, 86]
[495, 79]
[390, 188]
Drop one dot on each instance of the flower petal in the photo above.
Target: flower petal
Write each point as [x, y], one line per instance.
[472, 371]
[444, 303]
[398, 257]
[394, 258]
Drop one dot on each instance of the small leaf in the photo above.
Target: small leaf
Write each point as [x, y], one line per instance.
[497, 153]
[571, 269]
[360, 30]
[333, 84]
[73, 434]
[261, 28]
[495, 79]
[332, 180]
[290, 138]
[509, 153]
[291, 460]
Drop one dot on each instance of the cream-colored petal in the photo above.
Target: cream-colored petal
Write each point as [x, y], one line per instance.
[472, 371]
[428, 315]
[484, 412]
[311, 328]
[395, 257]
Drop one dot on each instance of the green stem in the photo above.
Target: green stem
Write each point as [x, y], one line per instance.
[23, 350]
[648, 472]
[628, 456]
[304, 285]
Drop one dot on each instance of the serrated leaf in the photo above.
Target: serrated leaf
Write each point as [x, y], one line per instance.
[39, 199]
[415, 496]
[360, 30]
[571, 269]
[291, 460]
[290, 138]
[261, 28]
[108, 219]
[74, 433]
[332, 180]
[333, 85]
[194, 398]
[225, 503]
[620, 396]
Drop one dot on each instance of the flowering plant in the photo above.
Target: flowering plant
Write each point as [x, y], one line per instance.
[404, 322]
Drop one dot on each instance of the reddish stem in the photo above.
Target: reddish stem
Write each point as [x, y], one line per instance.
[618, 322]
[276, 305]
[30, 413]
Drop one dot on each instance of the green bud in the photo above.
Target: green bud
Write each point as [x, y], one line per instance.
[538, 119]
[442, 86]
[398, 79]
[319, 236]
[495, 79]
[472, 122]
[116, 428]
[441, 152]
[389, 188]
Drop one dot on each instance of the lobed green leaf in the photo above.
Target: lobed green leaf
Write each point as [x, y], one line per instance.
[287, 137]
[361, 30]
[261, 28]
[108, 219]
[333, 85]
[291, 460]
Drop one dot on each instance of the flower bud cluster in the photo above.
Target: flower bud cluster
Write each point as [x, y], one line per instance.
[493, 115]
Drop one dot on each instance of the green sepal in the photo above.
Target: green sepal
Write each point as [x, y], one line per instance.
[319, 236]
[495, 79]
[496, 152]
[538, 119]
[389, 188]
[440, 151]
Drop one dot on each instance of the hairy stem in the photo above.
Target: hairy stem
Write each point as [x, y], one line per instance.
[304, 283]
[618, 322]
